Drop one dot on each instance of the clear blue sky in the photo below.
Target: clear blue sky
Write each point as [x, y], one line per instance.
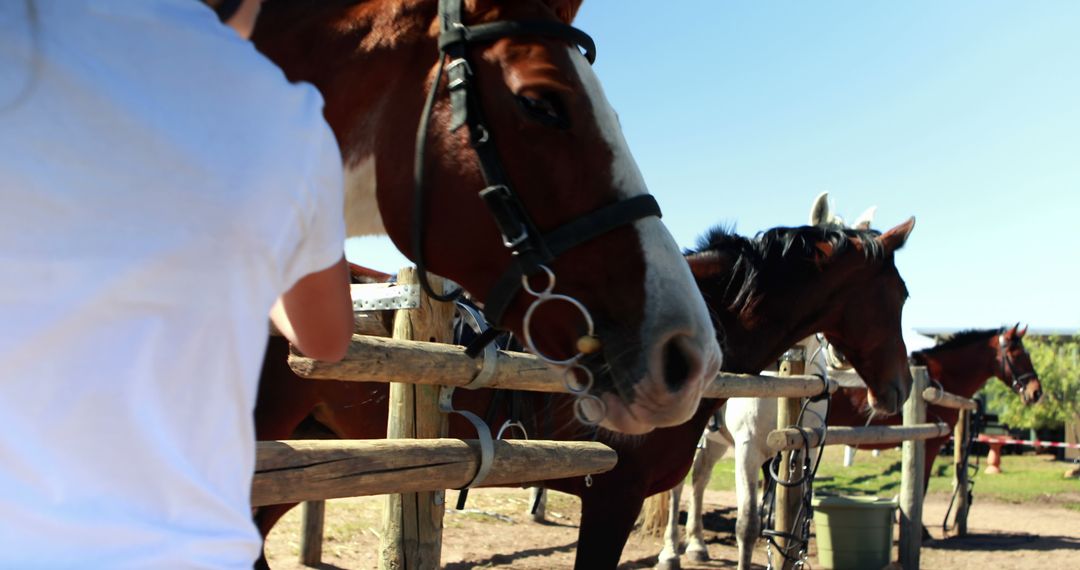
[965, 114]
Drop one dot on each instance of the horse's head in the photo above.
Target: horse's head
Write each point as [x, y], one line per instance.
[774, 290]
[865, 322]
[539, 180]
[1014, 364]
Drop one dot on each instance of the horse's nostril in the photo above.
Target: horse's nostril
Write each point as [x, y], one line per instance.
[676, 366]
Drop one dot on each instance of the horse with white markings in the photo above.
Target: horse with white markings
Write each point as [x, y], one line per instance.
[744, 425]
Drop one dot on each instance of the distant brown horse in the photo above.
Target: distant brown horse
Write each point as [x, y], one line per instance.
[960, 365]
[476, 135]
[767, 293]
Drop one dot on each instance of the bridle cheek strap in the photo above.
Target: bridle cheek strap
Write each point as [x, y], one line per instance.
[531, 250]
[563, 239]
[1019, 382]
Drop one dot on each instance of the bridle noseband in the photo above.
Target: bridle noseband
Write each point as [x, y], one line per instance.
[1008, 366]
[532, 251]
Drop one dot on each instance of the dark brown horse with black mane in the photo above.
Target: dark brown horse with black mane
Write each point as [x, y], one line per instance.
[767, 293]
[477, 136]
[960, 365]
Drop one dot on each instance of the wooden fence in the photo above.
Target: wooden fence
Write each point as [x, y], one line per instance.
[418, 369]
[912, 434]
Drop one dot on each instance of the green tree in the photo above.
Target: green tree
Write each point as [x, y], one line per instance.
[1057, 361]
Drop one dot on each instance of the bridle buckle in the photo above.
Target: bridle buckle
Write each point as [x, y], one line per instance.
[514, 231]
[459, 62]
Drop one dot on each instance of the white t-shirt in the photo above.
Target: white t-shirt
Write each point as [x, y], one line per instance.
[161, 184]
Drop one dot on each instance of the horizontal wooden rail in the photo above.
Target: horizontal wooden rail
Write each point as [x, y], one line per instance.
[790, 438]
[369, 323]
[295, 471]
[750, 386]
[375, 359]
[938, 397]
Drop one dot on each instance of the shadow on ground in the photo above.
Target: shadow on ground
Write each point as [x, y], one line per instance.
[506, 559]
[719, 525]
[1005, 542]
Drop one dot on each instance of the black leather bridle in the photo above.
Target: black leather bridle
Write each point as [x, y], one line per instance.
[531, 249]
[1008, 366]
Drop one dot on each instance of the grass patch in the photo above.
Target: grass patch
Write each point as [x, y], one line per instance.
[1025, 478]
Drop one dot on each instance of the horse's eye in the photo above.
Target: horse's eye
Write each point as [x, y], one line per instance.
[546, 109]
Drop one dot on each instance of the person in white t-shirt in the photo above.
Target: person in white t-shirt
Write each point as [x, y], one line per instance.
[164, 189]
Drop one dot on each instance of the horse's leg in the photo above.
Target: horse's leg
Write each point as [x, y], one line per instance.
[704, 462]
[748, 527]
[932, 449]
[537, 498]
[607, 518]
[265, 519]
[668, 559]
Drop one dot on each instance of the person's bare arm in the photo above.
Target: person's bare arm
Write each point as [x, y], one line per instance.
[316, 314]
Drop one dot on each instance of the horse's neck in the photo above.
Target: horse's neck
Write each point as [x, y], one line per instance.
[962, 370]
[366, 82]
[363, 57]
[755, 338]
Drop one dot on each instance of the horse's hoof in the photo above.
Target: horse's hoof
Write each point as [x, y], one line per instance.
[669, 564]
[698, 555]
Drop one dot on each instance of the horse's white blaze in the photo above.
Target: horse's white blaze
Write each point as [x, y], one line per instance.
[671, 295]
[362, 216]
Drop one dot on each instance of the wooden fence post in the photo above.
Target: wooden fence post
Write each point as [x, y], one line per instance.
[960, 440]
[411, 537]
[912, 475]
[787, 413]
[313, 514]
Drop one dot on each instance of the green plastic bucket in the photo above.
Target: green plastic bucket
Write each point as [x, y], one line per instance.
[853, 532]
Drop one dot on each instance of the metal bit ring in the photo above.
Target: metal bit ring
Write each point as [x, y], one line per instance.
[587, 417]
[545, 296]
[572, 384]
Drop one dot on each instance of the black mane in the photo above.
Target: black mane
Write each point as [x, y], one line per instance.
[962, 338]
[779, 256]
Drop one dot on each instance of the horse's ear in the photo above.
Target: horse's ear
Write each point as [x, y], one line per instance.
[704, 265]
[1022, 332]
[895, 238]
[819, 211]
[564, 9]
[865, 219]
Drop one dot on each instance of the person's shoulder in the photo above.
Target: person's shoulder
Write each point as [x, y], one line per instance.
[267, 114]
[237, 74]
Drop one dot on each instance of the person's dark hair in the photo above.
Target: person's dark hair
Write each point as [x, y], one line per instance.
[225, 8]
[31, 61]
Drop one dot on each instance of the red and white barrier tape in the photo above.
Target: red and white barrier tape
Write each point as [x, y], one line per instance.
[1028, 442]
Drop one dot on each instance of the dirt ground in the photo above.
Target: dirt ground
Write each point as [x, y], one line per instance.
[494, 532]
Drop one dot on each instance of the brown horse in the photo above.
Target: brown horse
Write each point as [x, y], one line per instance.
[539, 185]
[960, 365]
[767, 293]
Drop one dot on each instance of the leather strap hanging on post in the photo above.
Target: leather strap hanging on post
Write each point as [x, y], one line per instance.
[530, 249]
